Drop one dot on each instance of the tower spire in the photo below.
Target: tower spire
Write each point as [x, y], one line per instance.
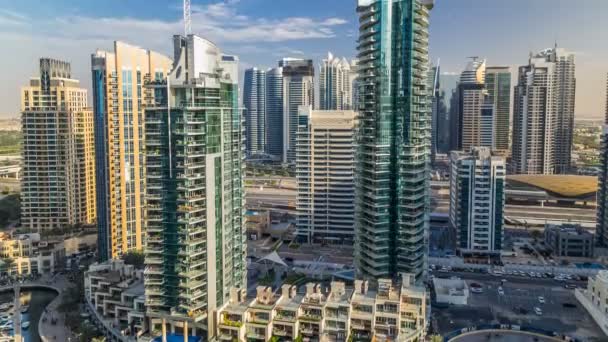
[187, 18]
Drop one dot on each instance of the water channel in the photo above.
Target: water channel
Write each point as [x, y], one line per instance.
[37, 300]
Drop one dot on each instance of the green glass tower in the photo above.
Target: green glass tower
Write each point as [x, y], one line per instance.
[393, 157]
[195, 248]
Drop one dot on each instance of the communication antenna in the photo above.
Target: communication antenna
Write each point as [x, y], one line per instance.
[187, 18]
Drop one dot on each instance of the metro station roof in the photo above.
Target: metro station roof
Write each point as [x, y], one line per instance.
[565, 186]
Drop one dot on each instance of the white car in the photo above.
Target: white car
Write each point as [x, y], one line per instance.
[538, 311]
[501, 291]
[541, 299]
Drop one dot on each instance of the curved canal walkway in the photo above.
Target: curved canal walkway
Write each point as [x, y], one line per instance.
[47, 331]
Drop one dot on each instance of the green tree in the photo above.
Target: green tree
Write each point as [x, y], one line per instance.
[135, 258]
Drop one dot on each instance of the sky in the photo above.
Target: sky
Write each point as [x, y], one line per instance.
[262, 31]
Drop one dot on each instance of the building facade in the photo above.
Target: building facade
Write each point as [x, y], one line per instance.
[195, 247]
[569, 240]
[498, 86]
[601, 230]
[254, 100]
[543, 114]
[274, 112]
[389, 312]
[27, 254]
[477, 199]
[298, 90]
[393, 140]
[325, 165]
[58, 182]
[472, 97]
[335, 84]
[119, 98]
[595, 299]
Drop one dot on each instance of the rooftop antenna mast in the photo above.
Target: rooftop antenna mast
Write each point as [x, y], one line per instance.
[187, 18]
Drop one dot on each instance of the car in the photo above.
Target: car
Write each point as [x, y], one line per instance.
[477, 289]
[538, 311]
[501, 291]
[503, 281]
[569, 305]
[570, 286]
[541, 299]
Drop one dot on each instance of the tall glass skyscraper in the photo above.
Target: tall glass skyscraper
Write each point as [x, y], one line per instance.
[254, 100]
[274, 112]
[393, 157]
[498, 85]
[335, 84]
[195, 249]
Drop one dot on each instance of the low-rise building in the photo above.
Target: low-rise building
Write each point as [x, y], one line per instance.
[388, 312]
[257, 223]
[569, 240]
[26, 254]
[595, 299]
[114, 294]
[451, 291]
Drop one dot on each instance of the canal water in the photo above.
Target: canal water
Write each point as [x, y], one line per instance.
[37, 300]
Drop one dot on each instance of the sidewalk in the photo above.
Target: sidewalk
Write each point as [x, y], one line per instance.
[54, 332]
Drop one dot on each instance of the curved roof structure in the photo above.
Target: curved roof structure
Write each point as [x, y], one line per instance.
[566, 186]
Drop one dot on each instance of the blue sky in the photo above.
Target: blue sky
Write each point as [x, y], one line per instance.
[262, 31]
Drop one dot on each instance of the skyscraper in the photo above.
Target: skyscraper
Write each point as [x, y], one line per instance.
[447, 86]
[477, 198]
[195, 249]
[58, 182]
[436, 102]
[118, 103]
[335, 91]
[325, 165]
[498, 85]
[298, 90]
[274, 112]
[393, 152]
[471, 97]
[601, 231]
[354, 83]
[254, 100]
[543, 114]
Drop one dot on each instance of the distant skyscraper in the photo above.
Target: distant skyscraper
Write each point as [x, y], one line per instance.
[274, 112]
[447, 87]
[498, 85]
[335, 91]
[195, 249]
[58, 182]
[298, 90]
[543, 114]
[325, 165]
[254, 100]
[477, 198]
[118, 103]
[354, 83]
[601, 231]
[393, 157]
[436, 103]
[471, 98]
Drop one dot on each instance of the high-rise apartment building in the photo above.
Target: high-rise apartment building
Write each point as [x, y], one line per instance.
[274, 112]
[335, 84]
[471, 98]
[543, 114]
[254, 100]
[477, 198]
[119, 98]
[354, 83]
[601, 231]
[436, 98]
[298, 90]
[393, 152]
[498, 86]
[325, 165]
[195, 248]
[58, 182]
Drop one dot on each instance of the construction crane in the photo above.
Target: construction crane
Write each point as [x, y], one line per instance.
[187, 18]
